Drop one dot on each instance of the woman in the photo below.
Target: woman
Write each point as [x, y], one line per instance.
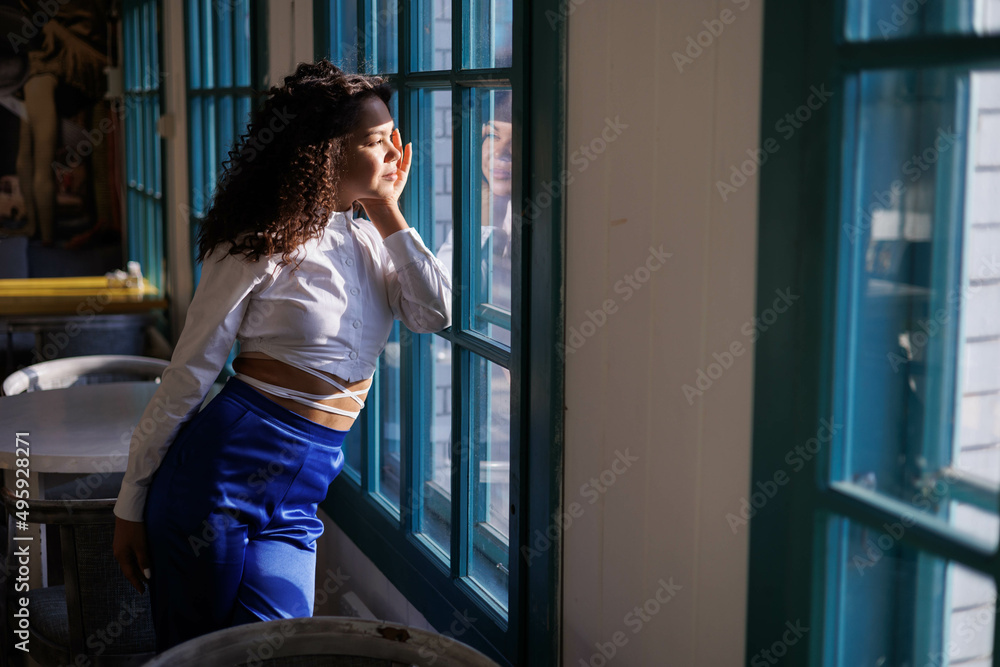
[310, 291]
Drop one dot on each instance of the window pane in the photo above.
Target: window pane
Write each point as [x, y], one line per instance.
[344, 34]
[241, 19]
[969, 613]
[977, 446]
[352, 451]
[488, 29]
[434, 517]
[893, 19]
[224, 38]
[432, 171]
[431, 35]
[490, 190]
[920, 339]
[892, 605]
[490, 421]
[196, 42]
[210, 154]
[386, 442]
[227, 127]
[207, 60]
[381, 41]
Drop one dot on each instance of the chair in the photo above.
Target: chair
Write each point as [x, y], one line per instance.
[330, 641]
[90, 369]
[70, 371]
[96, 618]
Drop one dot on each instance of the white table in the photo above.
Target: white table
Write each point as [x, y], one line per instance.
[83, 430]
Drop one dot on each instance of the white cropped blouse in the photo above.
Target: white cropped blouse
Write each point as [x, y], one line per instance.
[334, 314]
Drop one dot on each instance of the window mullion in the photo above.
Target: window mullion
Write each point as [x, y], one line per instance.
[403, 66]
[457, 43]
[369, 433]
[412, 401]
[362, 34]
[459, 560]
[461, 496]
[925, 51]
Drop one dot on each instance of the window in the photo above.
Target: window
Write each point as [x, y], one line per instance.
[877, 440]
[452, 466]
[143, 145]
[222, 68]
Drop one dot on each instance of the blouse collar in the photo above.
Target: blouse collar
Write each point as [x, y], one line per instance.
[341, 217]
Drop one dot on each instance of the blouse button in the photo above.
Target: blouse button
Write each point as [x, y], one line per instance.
[349, 261]
[354, 355]
[357, 324]
[355, 291]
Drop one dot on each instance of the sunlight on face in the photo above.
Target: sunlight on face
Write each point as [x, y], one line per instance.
[370, 161]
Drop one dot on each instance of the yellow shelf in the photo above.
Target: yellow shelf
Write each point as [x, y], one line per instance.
[77, 295]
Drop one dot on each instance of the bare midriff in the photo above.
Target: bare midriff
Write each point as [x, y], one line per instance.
[268, 369]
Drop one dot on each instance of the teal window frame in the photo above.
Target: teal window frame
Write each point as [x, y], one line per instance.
[796, 381]
[216, 59]
[144, 154]
[529, 635]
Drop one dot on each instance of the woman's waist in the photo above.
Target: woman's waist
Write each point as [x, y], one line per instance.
[291, 375]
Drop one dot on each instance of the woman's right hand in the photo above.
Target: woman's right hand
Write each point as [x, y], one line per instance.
[131, 552]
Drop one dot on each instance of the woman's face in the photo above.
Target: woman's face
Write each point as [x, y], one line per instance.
[369, 170]
[496, 157]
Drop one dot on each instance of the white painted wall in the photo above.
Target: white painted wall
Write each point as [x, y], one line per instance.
[290, 37]
[180, 276]
[663, 518]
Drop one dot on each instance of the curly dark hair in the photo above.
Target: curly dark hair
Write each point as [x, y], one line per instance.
[277, 188]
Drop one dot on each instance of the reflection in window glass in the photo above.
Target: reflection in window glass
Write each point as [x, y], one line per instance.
[893, 605]
[389, 421]
[432, 164]
[489, 29]
[491, 188]
[352, 452]
[976, 449]
[434, 520]
[432, 167]
[490, 476]
[432, 39]
[895, 19]
[921, 338]
[968, 624]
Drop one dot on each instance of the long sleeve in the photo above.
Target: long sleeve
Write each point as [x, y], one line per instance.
[418, 285]
[500, 235]
[213, 320]
[446, 252]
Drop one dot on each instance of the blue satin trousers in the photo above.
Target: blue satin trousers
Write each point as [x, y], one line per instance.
[231, 515]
